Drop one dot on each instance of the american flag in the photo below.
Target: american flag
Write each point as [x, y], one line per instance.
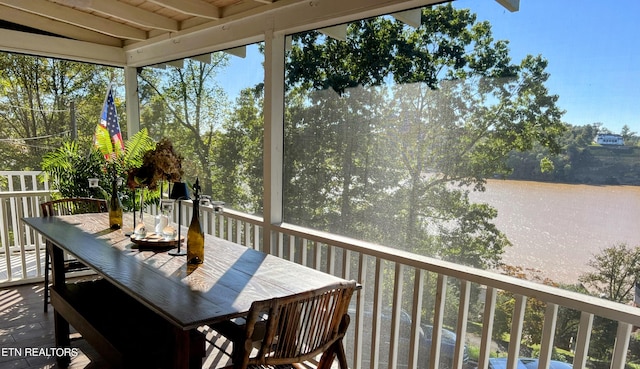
[109, 120]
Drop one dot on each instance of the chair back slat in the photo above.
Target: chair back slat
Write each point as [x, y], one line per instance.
[298, 327]
[70, 206]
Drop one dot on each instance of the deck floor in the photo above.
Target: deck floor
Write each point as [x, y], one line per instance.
[26, 334]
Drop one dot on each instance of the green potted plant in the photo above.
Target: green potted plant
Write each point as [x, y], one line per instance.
[69, 168]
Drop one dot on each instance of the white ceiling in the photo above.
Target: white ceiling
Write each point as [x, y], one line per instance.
[144, 32]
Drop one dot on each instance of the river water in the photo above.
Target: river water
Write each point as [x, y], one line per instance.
[557, 228]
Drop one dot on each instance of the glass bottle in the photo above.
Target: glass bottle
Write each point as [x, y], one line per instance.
[115, 208]
[195, 236]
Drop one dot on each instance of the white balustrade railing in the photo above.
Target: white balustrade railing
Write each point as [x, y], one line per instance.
[403, 294]
[21, 252]
[401, 287]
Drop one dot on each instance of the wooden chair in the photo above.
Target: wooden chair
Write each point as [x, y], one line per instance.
[293, 329]
[77, 205]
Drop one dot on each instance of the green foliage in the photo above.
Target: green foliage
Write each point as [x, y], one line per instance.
[614, 272]
[567, 320]
[634, 349]
[187, 105]
[395, 164]
[36, 94]
[603, 338]
[579, 160]
[70, 169]
[239, 170]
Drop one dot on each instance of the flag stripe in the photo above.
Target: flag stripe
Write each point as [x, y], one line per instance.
[109, 120]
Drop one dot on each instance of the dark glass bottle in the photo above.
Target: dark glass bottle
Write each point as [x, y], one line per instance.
[115, 208]
[195, 236]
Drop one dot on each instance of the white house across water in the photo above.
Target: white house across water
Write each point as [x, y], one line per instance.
[609, 139]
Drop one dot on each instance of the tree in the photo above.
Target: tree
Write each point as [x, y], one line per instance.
[187, 105]
[456, 106]
[239, 165]
[573, 159]
[630, 138]
[615, 271]
[36, 94]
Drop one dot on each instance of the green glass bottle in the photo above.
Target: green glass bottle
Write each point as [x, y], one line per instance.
[195, 235]
[115, 208]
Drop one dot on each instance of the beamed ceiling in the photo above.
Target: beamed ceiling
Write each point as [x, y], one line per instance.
[121, 22]
[144, 32]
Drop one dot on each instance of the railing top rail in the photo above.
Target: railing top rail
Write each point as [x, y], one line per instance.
[546, 293]
[253, 219]
[21, 172]
[8, 194]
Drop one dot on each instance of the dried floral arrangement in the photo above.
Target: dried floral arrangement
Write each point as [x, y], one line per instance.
[160, 164]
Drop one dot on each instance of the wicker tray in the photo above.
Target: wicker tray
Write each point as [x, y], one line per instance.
[153, 240]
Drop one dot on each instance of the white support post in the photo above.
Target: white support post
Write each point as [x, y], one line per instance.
[273, 133]
[132, 100]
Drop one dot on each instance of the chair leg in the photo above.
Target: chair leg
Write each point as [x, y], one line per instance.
[46, 279]
[236, 352]
[327, 357]
[335, 351]
[342, 357]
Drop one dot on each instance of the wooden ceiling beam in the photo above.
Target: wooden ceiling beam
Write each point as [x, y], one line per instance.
[55, 27]
[196, 8]
[64, 48]
[132, 14]
[76, 17]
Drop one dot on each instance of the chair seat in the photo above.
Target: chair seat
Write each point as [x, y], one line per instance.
[234, 330]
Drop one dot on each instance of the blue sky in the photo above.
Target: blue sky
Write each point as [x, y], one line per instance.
[593, 49]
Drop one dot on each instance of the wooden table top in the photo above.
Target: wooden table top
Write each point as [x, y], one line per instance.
[224, 286]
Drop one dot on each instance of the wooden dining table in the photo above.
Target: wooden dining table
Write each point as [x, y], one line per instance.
[184, 296]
